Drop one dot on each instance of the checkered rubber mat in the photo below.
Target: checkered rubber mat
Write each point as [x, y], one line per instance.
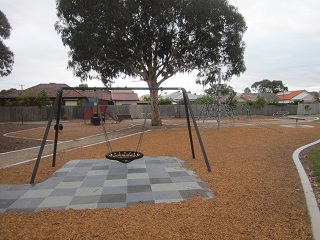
[101, 183]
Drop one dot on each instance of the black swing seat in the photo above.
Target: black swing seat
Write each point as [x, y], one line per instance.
[124, 156]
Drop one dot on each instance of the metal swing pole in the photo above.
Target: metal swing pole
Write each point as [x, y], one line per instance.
[53, 110]
[219, 99]
[185, 97]
[189, 110]
[106, 135]
[57, 129]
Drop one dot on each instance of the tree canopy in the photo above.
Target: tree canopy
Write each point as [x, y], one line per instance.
[152, 39]
[39, 99]
[247, 90]
[6, 56]
[267, 86]
[225, 89]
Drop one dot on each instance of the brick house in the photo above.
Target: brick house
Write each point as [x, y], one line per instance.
[245, 97]
[69, 97]
[72, 97]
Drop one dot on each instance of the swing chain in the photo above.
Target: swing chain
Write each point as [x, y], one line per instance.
[124, 156]
[142, 131]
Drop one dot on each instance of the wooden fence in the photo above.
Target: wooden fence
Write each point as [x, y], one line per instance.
[23, 114]
[308, 108]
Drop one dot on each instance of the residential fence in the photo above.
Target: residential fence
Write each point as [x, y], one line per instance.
[308, 108]
[24, 114]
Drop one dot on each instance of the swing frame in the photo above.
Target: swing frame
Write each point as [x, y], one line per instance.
[56, 111]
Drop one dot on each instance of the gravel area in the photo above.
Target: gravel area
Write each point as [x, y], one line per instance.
[257, 190]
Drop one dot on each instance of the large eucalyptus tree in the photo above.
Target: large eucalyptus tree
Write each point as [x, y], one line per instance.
[6, 56]
[152, 40]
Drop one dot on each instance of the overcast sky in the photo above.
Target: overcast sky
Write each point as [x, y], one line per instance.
[282, 43]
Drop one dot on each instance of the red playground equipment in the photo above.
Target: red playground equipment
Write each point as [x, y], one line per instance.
[96, 113]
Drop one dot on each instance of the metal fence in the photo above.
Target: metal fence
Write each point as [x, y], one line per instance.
[22, 114]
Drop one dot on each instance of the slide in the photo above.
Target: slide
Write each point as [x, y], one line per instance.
[113, 117]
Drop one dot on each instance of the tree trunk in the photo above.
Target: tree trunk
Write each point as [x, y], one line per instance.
[156, 118]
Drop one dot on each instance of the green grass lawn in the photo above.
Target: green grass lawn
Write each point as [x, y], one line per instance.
[314, 156]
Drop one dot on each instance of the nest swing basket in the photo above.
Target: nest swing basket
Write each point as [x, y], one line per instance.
[125, 156]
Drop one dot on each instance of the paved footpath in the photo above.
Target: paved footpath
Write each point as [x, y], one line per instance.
[30, 154]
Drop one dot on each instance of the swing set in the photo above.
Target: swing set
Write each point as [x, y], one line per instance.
[123, 156]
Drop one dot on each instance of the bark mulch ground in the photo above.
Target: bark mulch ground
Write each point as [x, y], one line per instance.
[258, 194]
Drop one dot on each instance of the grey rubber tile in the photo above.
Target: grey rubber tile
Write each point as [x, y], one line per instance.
[101, 183]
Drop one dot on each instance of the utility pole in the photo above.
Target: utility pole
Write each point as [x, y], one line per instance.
[21, 85]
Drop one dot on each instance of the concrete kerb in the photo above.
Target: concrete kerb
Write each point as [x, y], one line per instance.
[312, 205]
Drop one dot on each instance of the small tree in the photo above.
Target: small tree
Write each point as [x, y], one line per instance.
[83, 85]
[307, 108]
[207, 99]
[247, 90]
[232, 101]
[315, 96]
[260, 102]
[224, 88]
[7, 91]
[165, 101]
[42, 99]
[26, 98]
[267, 86]
[9, 103]
[257, 104]
[181, 101]
[146, 97]
[80, 102]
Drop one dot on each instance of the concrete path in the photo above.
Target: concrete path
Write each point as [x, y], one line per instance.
[30, 154]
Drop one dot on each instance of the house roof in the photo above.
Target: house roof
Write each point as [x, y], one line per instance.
[224, 98]
[124, 96]
[51, 89]
[176, 96]
[288, 95]
[101, 94]
[12, 94]
[253, 96]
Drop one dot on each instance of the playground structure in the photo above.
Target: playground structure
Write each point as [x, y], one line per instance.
[221, 111]
[216, 112]
[226, 115]
[96, 113]
[56, 112]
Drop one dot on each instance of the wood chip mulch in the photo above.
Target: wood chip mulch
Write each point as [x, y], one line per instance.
[257, 190]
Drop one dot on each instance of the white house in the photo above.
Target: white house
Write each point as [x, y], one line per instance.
[292, 96]
[178, 95]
